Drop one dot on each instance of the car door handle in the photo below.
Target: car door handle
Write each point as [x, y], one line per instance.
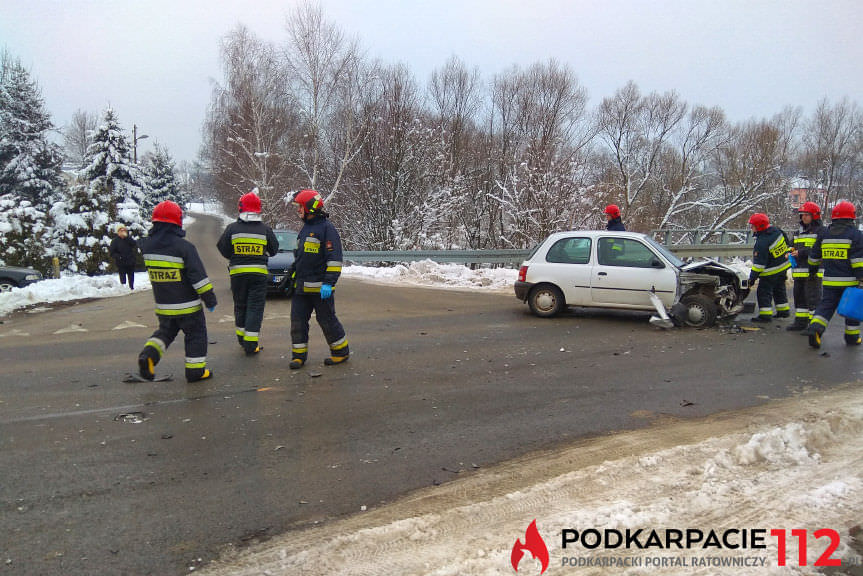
[602, 274]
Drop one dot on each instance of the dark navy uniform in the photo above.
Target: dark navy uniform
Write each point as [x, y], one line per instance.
[180, 284]
[807, 279]
[247, 244]
[839, 251]
[318, 262]
[615, 224]
[769, 266]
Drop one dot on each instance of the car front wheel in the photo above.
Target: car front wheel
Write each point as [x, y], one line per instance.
[6, 285]
[546, 300]
[700, 310]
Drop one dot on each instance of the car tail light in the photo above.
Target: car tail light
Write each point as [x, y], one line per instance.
[522, 274]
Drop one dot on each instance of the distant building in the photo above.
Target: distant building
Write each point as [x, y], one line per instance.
[803, 190]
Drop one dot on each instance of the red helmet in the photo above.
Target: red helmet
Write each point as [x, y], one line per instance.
[612, 210]
[843, 209]
[811, 208]
[169, 212]
[311, 202]
[250, 203]
[760, 221]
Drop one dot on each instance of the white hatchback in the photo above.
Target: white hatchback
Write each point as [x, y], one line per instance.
[627, 270]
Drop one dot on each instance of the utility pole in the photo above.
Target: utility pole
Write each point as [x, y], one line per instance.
[135, 139]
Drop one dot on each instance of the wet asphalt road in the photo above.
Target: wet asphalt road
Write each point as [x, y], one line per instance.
[440, 384]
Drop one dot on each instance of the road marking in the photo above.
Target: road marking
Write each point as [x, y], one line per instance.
[128, 324]
[71, 328]
[15, 332]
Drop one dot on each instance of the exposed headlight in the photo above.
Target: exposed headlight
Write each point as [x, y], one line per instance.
[32, 277]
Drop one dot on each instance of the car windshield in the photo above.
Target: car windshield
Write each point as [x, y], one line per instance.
[665, 252]
[287, 240]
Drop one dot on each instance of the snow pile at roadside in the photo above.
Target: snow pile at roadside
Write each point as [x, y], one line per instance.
[429, 273]
[800, 467]
[74, 287]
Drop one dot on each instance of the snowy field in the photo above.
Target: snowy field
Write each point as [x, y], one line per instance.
[793, 464]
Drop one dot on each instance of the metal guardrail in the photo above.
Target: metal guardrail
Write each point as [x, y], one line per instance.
[507, 256]
[516, 257]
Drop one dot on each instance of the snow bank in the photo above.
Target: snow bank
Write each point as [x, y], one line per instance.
[800, 467]
[432, 274]
[73, 287]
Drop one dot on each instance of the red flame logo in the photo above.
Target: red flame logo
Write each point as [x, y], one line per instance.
[534, 544]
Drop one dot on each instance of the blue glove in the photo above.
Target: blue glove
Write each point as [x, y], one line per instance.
[211, 308]
[793, 261]
[326, 291]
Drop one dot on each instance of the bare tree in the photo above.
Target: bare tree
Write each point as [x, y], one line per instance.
[78, 135]
[542, 136]
[751, 170]
[248, 125]
[326, 80]
[635, 129]
[831, 149]
[684, 174]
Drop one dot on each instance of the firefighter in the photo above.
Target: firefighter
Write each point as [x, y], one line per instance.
[316, 270]
[769, 265]
[807, 281]
[179, 283]
[612, 216]
[839, 251]
[247, 244]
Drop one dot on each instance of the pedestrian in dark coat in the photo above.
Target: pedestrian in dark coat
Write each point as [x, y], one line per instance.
[124, 251]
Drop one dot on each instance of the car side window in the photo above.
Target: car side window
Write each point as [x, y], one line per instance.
[569, 251]
[624, 252]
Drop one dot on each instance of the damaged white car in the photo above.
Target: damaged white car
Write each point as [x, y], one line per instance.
[628, 270]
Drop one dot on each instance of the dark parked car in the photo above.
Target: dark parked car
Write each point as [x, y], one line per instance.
[279, 264]
[15, 277]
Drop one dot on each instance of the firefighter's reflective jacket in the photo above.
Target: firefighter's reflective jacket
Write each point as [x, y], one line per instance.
[770, 255]
[318, 256]
[804, 240]
[176, 272]
[248, 245]
[839, 251]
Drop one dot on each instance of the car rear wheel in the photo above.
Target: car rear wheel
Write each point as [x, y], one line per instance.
[546, 300]
[6, 285]
[700, 310]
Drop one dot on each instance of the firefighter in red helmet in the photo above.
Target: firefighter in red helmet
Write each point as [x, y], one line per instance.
[807, 280]
[613, 218]
[317, 267]
[839, 251]
[769, 265]
[180, 284]
[247, 244]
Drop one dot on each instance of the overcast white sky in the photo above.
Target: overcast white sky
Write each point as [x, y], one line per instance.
[154, 60]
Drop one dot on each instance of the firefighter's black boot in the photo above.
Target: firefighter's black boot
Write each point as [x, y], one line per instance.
[814, 336]
[197, 377]
[296, 364]
[853, 339]
[339, 352]
[783, 313]
[147, 361]
[800, 323]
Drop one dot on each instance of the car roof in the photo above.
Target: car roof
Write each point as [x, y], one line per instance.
[595, 234]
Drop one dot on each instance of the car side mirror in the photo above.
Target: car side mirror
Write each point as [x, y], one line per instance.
[656, 263]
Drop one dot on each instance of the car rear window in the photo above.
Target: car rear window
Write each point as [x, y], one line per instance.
[569, 251]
